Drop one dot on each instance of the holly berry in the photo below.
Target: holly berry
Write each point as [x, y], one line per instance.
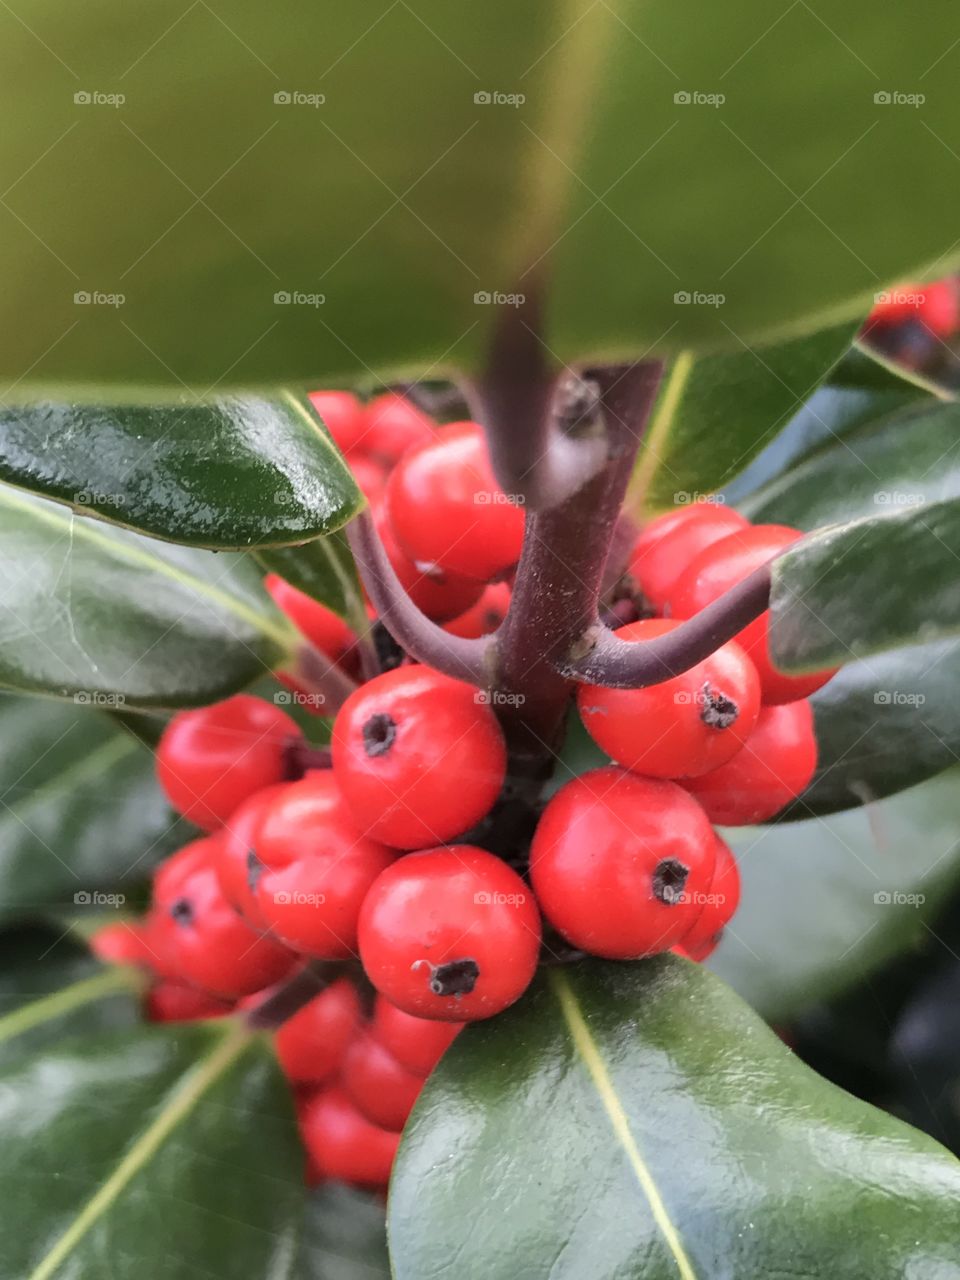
[482, 618]
[383, 1090]
[777, 762]
[121, 943]
[211, 759]
[342, 1143]
[721, 566]
[420, 757]
[447, 509]
[440, 596]
[682, 727]
[198, 938]
[669, 542]
[168, 1001]
[452, 934]
[619, 863]
[392, 425]
[234, 856]
[311, 1044]
[343, 416]
[417, 1043]
[320, 625]
[315, 866]
[370, 477]
[719, 908]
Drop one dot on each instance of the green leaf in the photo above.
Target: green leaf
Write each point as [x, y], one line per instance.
[345, 1237]
[81, 814]
[716, 412]
[231, 474]
[867, 586]
[378, 218]
[639, 1120]
[104, 1138]
[324, 569]
[810, 923]
[88, 609]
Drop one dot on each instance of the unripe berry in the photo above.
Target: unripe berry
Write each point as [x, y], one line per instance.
[211, 759]
[620, 864]
[420, 757]
[683, 726]
[450, 933]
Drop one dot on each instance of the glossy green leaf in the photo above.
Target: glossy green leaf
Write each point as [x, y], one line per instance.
[109, 617]
[344, 1237]
[324, 569]
[325, 193]
[827, 900]
[639, 1120]
[716, 412]
[82, 819]
[231, 474]
[867, 586]
[155, 1150]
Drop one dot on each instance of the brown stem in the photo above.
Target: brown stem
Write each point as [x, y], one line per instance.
[287, 1000]
[319, 678]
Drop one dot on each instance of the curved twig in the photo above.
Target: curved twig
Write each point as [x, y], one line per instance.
[413, 630]
[625, 664]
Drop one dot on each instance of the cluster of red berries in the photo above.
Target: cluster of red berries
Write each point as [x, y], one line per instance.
[378, 855]
[935, 306]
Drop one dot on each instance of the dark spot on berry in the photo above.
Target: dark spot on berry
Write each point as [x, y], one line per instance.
[182, 911]
[254, 870]
[716, 709]
[455, 978]
[378, 734]
[669, 881]
[389, 654]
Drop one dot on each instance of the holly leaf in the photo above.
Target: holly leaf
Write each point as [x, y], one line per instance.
[639, 1119]
[108, 617]
[345, 1236]
[230, 474]
[82, 820]
[828, 900]
[308, 232]
[116, 1128]
[325, 570]
[716, 412]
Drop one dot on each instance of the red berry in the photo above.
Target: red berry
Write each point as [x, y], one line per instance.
[447, 509]
[420, 757]
[777, 763]
[197, 936]
[342, 1143]
[321, 626]
[315, 868]
[392, 425]
[719, 909]
[384, 1090]
[685, 726]
[439, 595]
[618, 863]
[121, 943]
[168, 1001]
[452, 934]
[417, 1043]
[235, 860]
[668, 544]
[940, 309]
[721, 566]
[482, 618]
[369, 476]
[211, 759]
[343, 416]
[311, 1044]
